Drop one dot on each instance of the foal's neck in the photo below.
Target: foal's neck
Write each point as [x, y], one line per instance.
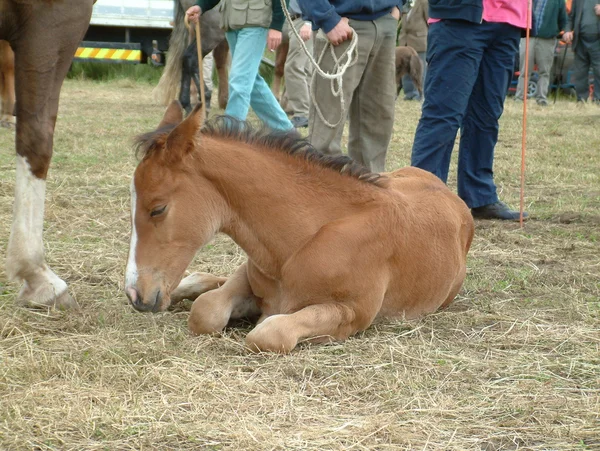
[274, 201]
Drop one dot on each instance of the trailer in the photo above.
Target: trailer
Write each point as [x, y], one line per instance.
[128, 31]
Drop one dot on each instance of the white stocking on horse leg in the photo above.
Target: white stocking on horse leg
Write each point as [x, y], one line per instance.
[25, 260]
[319, 322]
[212, 310]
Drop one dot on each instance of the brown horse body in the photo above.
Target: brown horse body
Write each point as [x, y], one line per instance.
[7, 85]
[408, 63]
[330, 246]
[44, 36]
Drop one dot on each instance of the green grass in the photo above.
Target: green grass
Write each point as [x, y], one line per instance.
[104, 72]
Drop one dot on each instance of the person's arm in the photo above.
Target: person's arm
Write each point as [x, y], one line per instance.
[278, 18]
[205, 5]
[562, 16]
[571, 18]
[321, 13]
[201, 6]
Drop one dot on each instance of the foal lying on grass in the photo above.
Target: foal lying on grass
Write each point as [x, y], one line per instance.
[330, 245]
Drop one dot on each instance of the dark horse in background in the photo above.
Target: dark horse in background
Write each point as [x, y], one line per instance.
[44, 36]
[7, 85]
[182, 60]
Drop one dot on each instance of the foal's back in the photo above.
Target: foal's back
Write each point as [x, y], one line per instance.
[435, 230]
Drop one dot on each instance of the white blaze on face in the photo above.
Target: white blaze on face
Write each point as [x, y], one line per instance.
[25, 258]
[131, 273]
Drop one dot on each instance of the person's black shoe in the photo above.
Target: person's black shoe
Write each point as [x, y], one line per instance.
[300, 122]
[497, 210]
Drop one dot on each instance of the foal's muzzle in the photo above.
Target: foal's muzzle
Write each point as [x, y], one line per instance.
[136, 300]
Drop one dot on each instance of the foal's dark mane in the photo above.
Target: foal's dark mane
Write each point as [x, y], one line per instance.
[288, 142]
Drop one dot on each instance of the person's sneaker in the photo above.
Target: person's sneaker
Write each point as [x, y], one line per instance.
[300, 122]
[497, 210]
[542, 102]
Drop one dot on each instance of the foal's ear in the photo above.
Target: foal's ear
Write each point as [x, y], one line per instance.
[173, 114]
[181, 139]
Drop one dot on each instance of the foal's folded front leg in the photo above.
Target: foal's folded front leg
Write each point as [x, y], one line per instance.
[318, 322]
[212, 310]
[194, 285]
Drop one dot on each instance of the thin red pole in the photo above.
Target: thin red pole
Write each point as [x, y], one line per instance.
[524, 131]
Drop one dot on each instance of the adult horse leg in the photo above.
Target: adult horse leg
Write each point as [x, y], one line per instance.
[7, 84]
[233, 300]
[40, 68]
[187, 70]
[280, 57]
[221, 56]
[416, 73]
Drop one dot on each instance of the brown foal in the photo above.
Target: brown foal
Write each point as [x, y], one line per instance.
[330, 245]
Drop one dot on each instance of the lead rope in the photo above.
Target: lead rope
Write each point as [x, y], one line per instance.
[200, 65]
[524, 131]
[350, 55]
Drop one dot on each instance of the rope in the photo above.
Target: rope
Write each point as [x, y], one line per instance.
[524, 131]
[339, 69]
[200, 66]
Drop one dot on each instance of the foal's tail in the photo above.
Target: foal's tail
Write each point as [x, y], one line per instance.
[168, 85]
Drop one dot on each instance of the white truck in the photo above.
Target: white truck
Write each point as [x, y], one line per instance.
[127, 31]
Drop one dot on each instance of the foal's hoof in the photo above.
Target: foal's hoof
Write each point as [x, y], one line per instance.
[271, 336]
[36, 299]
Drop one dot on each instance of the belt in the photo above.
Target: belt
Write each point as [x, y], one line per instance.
[295, 16]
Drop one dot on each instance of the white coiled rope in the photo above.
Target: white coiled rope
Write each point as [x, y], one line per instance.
[340, 66]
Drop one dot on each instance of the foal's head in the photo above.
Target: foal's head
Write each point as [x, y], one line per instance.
[173, 210]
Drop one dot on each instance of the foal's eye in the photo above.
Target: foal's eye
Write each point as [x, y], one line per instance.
[158, 211]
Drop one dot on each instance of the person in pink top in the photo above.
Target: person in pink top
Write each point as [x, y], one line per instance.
[472, 45]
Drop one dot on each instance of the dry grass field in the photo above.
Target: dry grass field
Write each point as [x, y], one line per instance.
[513, 364]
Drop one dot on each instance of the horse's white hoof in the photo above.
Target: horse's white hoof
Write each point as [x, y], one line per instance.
[40, 298]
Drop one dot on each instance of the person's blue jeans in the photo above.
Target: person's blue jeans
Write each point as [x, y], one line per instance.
[246, 87]
[469, 68]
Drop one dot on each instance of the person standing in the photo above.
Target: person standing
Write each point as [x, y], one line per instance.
[414, 34]
[369, 86]
[549, 19]
[249, 25]
[583, 30]
[471, 48]
[298, 69]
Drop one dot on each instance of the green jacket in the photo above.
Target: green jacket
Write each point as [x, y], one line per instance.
[236, 14]
[554, 18]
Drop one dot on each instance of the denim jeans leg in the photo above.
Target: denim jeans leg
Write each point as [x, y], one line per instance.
[246, 86]
[479, 132]
[453, 57]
